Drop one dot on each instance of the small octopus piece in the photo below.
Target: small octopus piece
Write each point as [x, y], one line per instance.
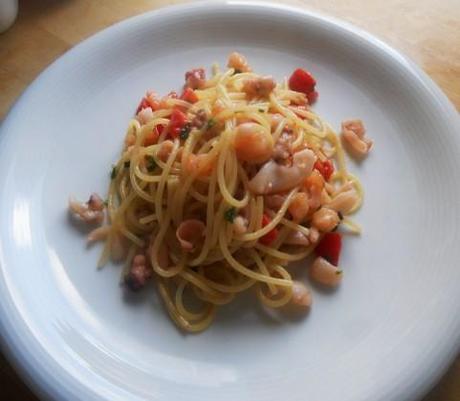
[90, 212]
[274, 202]
[353, 133]
[283, 146]
[200, 119]
[259, 87]
[196, 78]
[139, 273]
[238, 62]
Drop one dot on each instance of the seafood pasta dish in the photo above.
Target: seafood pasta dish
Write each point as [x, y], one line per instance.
[221, 186]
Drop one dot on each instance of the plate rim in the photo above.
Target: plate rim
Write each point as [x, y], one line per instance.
[43, 384]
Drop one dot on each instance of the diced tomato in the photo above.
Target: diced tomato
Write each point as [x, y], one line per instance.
[329, 247]
[312, 97]
[148, 101]
[326, 168]
[176, 122]
[302, 81]
[152, 137]
[268, 238]
[189, 95]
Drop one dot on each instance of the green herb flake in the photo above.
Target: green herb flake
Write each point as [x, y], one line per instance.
[211, 122]
[150, 163]
[230, 214]
[106, 203]
[185, 131]
[338, 272]
[127, 163]
[261, 110]
[237, 71]
[113, 173]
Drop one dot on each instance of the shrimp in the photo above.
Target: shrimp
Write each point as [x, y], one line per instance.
[325, 273]
[252, 144]
[297, 238]
[165, 150]
[314, 184]
[325, 219]
[274, 178]
[301, 295]
[90, 212]
[259, 87]
[196, 78]
[189, 233]
[299, 206]
[238, 62]
[353, 133]
[202, 163]
[344, 202]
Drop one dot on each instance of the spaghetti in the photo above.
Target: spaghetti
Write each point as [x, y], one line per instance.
[218, 189]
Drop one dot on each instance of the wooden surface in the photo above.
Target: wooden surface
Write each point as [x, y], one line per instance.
[428, 31]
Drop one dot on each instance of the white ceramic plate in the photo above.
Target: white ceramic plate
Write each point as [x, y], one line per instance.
[387, 334]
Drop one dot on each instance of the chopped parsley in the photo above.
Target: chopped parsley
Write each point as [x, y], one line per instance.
[127, 163]
[230, 214]
[261, 110]
[211, 122]
[150, 163]
[113, 173]
[338, 272]
[106, 203]
[185, 131]
[237, 71]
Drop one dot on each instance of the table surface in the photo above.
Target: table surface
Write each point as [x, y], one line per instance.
[428, 31]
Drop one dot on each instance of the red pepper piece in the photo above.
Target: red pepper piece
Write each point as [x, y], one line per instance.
[268, 238]
[189, 95]
[329, 247]
[326, 168]
[176, 122]
[302, 81]
[312, 97]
